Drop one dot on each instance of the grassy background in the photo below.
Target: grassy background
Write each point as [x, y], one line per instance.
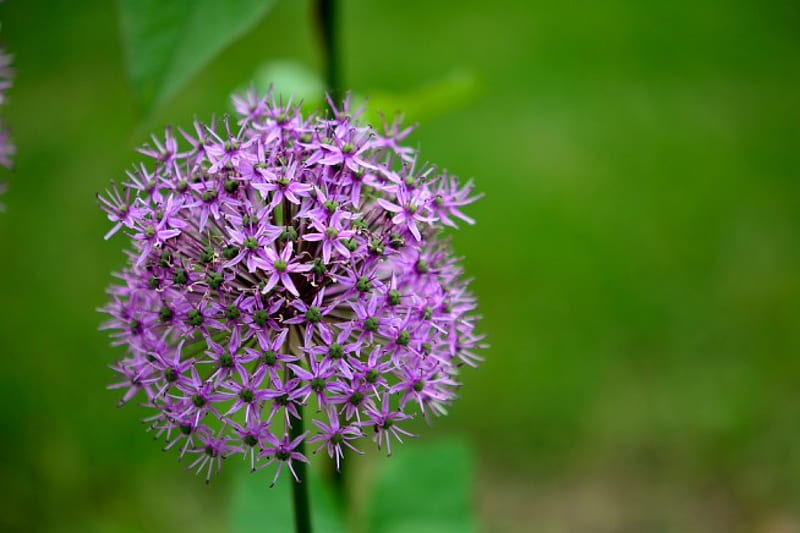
[637, 257]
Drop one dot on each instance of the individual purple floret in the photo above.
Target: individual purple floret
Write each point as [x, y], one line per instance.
[281, 262]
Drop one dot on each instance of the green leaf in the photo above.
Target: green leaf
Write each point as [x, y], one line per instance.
[454, 91]
[257, 507]
[290, 78]
[424, 488]
[168, 42]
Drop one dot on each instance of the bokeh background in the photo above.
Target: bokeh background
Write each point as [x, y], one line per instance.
[637, 257]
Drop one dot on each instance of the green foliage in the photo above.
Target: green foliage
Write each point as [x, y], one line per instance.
[291, 78]
[256, 507]
[166, 43]
[424, 488]
[454, 91]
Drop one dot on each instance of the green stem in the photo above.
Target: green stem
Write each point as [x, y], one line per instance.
[302, 508]
[326, 16]
[339, 480]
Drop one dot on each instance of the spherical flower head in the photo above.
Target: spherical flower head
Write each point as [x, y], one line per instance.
[278, 262]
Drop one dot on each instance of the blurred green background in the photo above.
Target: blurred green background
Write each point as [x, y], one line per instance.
[637, 257]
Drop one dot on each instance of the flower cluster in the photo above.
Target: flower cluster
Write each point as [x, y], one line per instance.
[282, 262]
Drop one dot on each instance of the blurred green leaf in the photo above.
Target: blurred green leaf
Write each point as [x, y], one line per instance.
[290, 78]
[454, 91]
[166, 43]
[257, 507]
[424, 488]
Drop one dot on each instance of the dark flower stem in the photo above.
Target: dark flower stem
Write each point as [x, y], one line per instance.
[300, 499]
[326, 17]
[302, 509]
[339, 482]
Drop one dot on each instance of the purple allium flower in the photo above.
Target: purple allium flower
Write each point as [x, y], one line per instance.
[282, 263]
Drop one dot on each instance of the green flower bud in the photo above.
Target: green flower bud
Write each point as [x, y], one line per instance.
[336, 351]
[165, 261]
[209, 195]
[314, 314]
[180, 277]
[280, 265]
[396, 241]
[260, 317]
[269, 358]
[232, 312]
[165, 314]
[288, 234]
[171, 375]
[318, 267]
[207, 255]
[195, 318]
[394, 297]
[356, 398]
[376, 247]
[246, 395]
[351, 244]
[226, 360]
[229, 252]
[403, 338]
[363, 284]
[214, 280]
